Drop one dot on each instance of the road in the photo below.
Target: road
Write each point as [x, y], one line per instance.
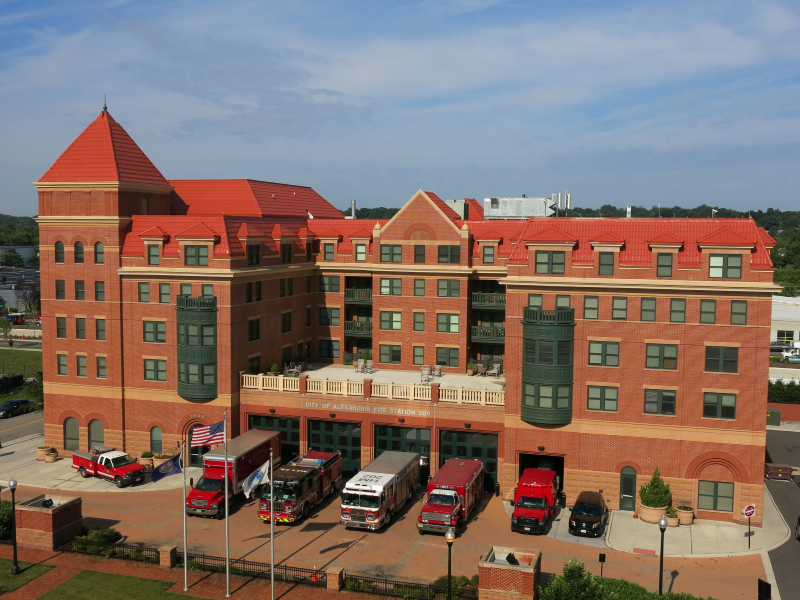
[783, 447]
[21, 426]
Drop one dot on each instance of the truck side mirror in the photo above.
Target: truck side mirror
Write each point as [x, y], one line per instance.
[191, 482]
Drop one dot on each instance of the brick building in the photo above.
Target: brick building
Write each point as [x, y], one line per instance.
[627, 344]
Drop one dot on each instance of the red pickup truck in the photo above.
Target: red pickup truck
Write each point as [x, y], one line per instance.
[110, 464]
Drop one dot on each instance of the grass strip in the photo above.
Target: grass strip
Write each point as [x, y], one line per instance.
[91, 584]
[28, 572]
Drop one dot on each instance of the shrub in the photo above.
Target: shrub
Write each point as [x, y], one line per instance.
[105, 535]
[351, 584]
[656, 493]
[783, 393]
[671, 512]
[5, 516]
[774, 359]
[274, 368]
[147, 454]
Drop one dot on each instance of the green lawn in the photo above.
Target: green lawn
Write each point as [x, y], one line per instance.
[27, 362]
[29, 572]
[91, 584]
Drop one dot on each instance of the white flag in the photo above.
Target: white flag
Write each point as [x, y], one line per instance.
[255, 479]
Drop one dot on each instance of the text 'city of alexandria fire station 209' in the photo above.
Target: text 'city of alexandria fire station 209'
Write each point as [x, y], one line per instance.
[625, 344]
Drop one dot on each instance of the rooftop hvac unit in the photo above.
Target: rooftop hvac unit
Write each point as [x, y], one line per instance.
[517, 208]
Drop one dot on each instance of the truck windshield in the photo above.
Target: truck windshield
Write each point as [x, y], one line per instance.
[528, 502]
[586, 510]
[445, 499]
[362, 500]
[282, 494]
[121, 461]
[208, 485]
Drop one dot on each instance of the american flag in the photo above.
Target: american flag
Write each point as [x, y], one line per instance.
[207, 436]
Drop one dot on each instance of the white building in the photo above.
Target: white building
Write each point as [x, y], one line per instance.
[785, 319]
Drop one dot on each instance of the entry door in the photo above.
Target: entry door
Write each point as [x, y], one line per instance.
[627, 489]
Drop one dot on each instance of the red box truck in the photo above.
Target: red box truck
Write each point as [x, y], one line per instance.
[453, 494]
[534, 501]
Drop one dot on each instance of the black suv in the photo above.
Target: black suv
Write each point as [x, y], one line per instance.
[589, 515]
[10, 408]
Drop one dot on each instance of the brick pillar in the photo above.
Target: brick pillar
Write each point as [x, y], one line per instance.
[435, 393]
[335, 579]
[367, 389]
[167, 556]
[303, 384]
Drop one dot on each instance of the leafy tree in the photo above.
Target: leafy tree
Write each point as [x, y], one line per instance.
[33, 259]
[12, 258]
[656, 493]
[5, 327]
[575, 583]
[373, 213]
[30, 297]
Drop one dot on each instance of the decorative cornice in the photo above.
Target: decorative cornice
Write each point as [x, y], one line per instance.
[122, 186]
[80, 221]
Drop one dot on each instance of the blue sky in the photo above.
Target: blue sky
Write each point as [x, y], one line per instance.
[618, 102]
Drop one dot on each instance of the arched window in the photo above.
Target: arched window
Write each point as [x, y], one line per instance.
[78, 253]
[99, 253]
[96, 434]
[156, 440]
[59, 252]
[71, 441]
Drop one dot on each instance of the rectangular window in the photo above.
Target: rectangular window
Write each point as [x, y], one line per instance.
[254, 365]
[419, 254]
[309, 284]
[549, 263]
[447, 357]
[725, 266]
[186, 289]
[419, 287]
[282, 288]
[419, 355]
[708, 311]
[677, 310]
[390, 354]
[361, 252]
[602, 398]
[152, 254]
[719, 406]
[419, 321]
[450, 255]
[449, 288]
[547, 396]
[61, 327]
[248, 292]
[257, 290]
[447, 323]
[253, 330]
[329, 283]
[144, 291]
[562, 302]
[488, 255]
[391, 287]
[715, 495]
[662, 356]
[254, 254]
[329, 317]
[327, 251]
[99, 291]
[329, 348]
[664, 265]
[309, 322]
[290, 281]
[62, 364]
[155, 370]
[80, 291]
[391, 320]
[722, 359]
[738, 312]
[547, 352]
[155, 332]
[81, 364]
[391, 253]
[208, 335]
[590, 307]
[164, 293]
[60, 287]
[648, 309]
[309, 250]
[100, 329]
[80, 328]
[535, 301]
[604, 354]
[659, 402]
[619, 309]
[209, 374]
[196, 256]
[606, 264]
[286, 322]
[101, 367]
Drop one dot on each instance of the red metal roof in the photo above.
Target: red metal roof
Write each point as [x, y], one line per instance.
[726, 237]
[104, 152]
[197, 232]
[445, 208]
[475, 209]
[152, 233]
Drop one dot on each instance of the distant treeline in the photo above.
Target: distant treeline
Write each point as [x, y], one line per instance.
[18, 231]
[373, 213]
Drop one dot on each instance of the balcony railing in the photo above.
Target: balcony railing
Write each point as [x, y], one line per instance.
[199, 303]
[490, 301]
[357, 296]
[358, 328]
[560, 316]
[484, 333]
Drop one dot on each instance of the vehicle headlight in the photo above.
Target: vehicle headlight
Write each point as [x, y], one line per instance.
[215, 506]
[513, 519]
[572, 521]
[595, 525]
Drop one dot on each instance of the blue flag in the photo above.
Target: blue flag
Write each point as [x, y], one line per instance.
[171, 467]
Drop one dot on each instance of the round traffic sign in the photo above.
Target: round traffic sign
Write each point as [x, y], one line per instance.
[749, 510]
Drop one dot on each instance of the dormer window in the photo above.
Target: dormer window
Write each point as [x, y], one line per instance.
[549, 263]
[152, 254]
[286, 253]
[606, 264]
[327, 251]
[196, 256]
[664, 265]
[253, 254]
[725, 266]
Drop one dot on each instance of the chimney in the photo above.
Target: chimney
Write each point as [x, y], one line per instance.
[352, 209]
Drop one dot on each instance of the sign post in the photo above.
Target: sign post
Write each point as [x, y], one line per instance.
[748, 512]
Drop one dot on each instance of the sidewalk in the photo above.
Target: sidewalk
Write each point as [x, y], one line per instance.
[703, 538]
[19, 461]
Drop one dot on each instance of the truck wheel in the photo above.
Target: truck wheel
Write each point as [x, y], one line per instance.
[221, 512]
[119, 483]
[83, 472]
[388, 518]
[305, 511]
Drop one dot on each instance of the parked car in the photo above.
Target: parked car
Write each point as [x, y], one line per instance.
[16, 318]
[13, 407]
[790, 352]
[589, 515]
[110, 464]
[779, 346]
[794, 359]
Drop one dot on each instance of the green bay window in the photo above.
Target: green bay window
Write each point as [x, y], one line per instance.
[197, 346]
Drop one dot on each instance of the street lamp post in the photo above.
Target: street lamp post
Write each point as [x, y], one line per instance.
[12, 485]
[449, 536]
[662, 525]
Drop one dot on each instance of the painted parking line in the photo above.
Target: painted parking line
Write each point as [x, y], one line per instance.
[23, 425]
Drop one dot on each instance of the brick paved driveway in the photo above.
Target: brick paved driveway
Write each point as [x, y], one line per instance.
[399, 551]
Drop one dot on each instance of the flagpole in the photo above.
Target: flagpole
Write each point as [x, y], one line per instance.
[183, 508]
[227, 536]
[271, 529]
